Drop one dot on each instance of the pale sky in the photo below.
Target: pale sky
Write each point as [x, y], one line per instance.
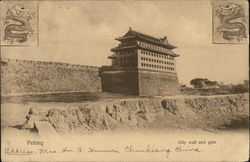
[83, 32]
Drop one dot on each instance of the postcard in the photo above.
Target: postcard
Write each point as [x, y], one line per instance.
[124, 80]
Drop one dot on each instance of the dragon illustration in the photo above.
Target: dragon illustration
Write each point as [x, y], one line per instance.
[19, 30]
[231, 18]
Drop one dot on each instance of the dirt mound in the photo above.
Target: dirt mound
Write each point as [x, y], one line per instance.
[213, 112]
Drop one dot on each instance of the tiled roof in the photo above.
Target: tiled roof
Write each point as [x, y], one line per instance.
[132, 33]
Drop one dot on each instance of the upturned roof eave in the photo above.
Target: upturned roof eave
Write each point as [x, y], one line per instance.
[121, 48]
[166, 45]
[125, 37]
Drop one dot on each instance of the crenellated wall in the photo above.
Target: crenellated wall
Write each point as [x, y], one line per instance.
[25, 76]
[29, 77]
[58, 64]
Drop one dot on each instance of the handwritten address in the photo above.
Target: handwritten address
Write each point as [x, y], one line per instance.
[182, 146]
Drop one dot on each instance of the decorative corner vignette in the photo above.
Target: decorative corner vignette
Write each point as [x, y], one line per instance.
[230, 22]
[19, 23]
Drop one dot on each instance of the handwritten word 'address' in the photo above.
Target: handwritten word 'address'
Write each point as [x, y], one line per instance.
[127, 149]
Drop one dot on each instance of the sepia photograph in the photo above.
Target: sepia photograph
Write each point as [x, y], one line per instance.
[124, 80]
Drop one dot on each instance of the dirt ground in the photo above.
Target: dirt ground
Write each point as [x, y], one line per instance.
[225, 144]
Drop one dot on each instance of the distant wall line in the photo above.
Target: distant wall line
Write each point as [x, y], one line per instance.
[65, 65]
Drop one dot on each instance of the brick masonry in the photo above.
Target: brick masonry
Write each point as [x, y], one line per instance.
[28, 77]
[124, 82]
[140, 82]
[22, 77]
[157, 83]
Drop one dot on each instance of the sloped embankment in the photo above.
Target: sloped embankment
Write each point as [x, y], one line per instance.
[210, 112]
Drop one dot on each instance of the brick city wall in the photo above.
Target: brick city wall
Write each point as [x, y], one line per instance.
[23, 77]
[142, 82]
[123, 82]
[156, 83]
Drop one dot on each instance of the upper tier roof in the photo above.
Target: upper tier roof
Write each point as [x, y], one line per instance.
[133, 34]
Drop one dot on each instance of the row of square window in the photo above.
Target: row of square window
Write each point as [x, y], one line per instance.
[152, 46]
[157, 61]
[157, 55]
[157, 66]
